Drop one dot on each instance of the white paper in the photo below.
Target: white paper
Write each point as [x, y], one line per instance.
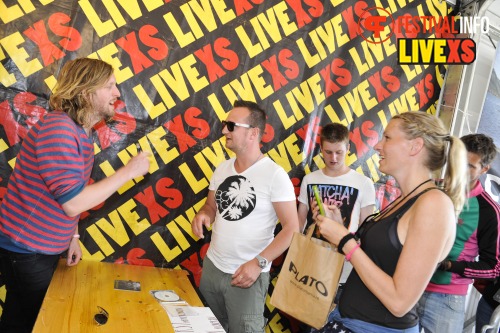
[192, 319]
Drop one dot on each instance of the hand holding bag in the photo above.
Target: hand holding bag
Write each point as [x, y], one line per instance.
[308, 280]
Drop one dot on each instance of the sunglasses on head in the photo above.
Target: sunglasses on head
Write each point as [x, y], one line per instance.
[101, 317]
[230, 125]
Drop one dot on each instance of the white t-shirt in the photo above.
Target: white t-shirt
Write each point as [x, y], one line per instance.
[245, 219]
[351, 192]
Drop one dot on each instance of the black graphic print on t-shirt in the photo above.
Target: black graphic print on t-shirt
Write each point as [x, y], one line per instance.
[235, 198]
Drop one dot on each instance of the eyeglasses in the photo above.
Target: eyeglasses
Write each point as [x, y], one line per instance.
[101, 317]
[230, 125]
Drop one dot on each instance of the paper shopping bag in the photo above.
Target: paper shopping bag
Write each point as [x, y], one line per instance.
[308, 280]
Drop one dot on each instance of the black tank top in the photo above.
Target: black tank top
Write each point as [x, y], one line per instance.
[379, 240]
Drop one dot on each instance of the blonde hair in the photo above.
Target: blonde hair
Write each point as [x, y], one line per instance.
[76, 81]
[442, 150]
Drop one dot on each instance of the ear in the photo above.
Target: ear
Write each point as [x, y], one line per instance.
[485, 169]
[255, 132]
[416, 146]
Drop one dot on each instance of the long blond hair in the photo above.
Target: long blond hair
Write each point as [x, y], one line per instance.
[76, 81]
[442, 150]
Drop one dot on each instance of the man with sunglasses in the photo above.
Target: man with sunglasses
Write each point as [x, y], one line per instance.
[247, 195]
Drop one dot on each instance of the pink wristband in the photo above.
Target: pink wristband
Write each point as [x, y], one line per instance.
[349, 255]
[76, 236]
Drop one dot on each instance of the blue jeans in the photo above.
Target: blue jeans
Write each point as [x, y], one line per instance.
[27, 278]
[441, 313]
[360, 326]
[483, 315]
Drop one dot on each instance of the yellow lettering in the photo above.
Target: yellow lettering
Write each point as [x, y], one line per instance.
[196, 185]
[101, 28]
[166, 153]
[153, 110]
[191, 72]
[109, 54]
[6, 78]
[168, 253]
[19, 54]
[182, 38]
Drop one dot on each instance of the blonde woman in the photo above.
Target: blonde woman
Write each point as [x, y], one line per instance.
[396, 251]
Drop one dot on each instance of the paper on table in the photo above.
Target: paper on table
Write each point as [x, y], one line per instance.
[192, 319]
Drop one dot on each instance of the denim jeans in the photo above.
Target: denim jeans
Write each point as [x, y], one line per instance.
[360, 326]
[483, 315]
[441, 313]
[27, 278]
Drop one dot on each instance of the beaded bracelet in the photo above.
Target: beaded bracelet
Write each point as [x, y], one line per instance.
[349, 255]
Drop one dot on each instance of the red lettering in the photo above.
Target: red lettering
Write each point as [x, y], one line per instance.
[134, 258]
[342, 75]
[268, 135]
[371, 135]
[468, 47]
[309, 133]
[201, 128]
[130, 45]
[352, 23]
[22, 103]
[454, 51]
[292, 68]
[316, 9]
[158, 48]
[13, 131]
[231, 60]
[176, 126]
[425, 94]
[38, 34]
[155, 210]
[206, 56]
[271, 65]
[300, 14]
[243, 6]
[72, 39]
[172, 195]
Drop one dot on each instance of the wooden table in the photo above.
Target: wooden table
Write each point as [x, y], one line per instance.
[75, 293]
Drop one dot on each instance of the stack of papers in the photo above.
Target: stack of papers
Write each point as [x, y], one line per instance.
[186, 318]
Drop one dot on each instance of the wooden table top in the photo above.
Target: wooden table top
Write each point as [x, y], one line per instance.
[75, 293]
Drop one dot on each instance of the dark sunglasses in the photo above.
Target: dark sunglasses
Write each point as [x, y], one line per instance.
[101, 318]
[230, 125]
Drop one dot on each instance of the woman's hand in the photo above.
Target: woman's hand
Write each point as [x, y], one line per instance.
[330, 226]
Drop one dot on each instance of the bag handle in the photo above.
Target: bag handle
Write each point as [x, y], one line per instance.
[311, 230]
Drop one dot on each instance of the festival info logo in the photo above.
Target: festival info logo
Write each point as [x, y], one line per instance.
[377, 25]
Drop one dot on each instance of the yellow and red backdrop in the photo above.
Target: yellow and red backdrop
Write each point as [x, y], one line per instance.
[180, 65]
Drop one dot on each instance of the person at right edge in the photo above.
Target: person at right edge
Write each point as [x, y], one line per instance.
[396, 251]
[441, 309]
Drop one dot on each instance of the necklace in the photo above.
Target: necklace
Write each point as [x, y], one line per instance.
[386, 209]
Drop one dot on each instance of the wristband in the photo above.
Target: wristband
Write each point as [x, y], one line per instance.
[344, 240]
[349, 255]
[76, 236]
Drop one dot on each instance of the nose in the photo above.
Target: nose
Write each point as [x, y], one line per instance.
[116, 92]
[378, 146]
